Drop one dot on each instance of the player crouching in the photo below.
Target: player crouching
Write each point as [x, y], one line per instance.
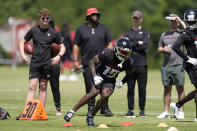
[105, 68]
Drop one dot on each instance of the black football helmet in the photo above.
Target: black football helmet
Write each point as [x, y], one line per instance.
[190, 19]
[123, 49]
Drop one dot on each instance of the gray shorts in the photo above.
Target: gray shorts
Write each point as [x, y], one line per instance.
[173, 75]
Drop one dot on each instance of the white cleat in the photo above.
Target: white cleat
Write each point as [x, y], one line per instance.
[181, 115]
[195, 120]
[73, 77]
[62, 78]
[58, 113]
[164, 115]
[175, 110]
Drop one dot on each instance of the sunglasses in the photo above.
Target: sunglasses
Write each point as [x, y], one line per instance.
[46, 18]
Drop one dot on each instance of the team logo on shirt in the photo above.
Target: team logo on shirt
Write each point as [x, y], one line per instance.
[195, 42]
[93, 32]
[48, 34]
[140, 32]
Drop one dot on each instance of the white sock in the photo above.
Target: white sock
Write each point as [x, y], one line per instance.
[72, 111]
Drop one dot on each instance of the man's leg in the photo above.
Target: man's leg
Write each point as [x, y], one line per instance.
[54, 82]
[105, 94]
[131, 94]
[32, 89]
[88, 79]
[43, 90]
[181, 94]
[142, 82]
[167, 97]
[84, 100]
[196, 102]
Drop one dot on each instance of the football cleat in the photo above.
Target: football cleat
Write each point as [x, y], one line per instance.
[68, 116]
[90, 120]
[181, 115]
[175, 110]
[195, 120]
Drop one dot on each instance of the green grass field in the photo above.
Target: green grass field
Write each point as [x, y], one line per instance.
[14, 87]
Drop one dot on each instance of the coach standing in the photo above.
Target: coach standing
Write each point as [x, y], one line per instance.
[172, 69]
[91, 37]
[140, 39]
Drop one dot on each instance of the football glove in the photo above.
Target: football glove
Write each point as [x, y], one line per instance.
[97, 80]
[192, 61]
[119, 84]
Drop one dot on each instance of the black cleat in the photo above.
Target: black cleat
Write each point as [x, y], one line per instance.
[68, 116]
[90, 120]
[106, 112]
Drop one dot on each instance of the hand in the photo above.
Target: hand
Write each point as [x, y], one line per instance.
[167, 49]
[55, 60]
[192, 61]
[75, 65]
[119, 84]
[140, 42]
[97, 80]
[25, 58]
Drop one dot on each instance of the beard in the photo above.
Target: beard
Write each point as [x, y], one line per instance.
[93, 21]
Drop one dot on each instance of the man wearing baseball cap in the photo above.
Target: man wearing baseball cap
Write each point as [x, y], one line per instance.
[139, 37]
[91, 37]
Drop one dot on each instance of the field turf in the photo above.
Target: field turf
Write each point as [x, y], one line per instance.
[14, 87]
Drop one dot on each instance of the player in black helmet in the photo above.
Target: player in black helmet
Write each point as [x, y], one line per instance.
[105, 67]
[189, 39]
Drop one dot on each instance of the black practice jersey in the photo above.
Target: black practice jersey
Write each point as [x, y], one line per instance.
[139, 50]
[189, 40]
[108, 68]
[91, 40]
[42, 39]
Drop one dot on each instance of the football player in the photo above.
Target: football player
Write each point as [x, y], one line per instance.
[189, 39]
[105, 67]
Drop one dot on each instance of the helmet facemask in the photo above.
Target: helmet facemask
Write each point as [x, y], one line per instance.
[122, 54]
[190, 19]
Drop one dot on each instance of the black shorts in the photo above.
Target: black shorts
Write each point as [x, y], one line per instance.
[192, 72]
[40, 71]
[107, 83]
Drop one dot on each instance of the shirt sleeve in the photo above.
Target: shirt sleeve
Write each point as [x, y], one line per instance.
[108, 36]
[161, 41]
[58, 38]
[176, 47]
[29, 35]
[77, 38]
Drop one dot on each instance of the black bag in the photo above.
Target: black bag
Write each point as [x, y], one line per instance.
[4, 114]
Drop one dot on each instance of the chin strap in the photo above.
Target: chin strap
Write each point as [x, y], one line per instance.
[120, 65]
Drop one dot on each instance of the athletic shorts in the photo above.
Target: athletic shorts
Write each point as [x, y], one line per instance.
[107, 83]
[40, 71]
[192, 72]
[173, 75]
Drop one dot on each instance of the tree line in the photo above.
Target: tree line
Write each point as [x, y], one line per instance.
[116, 15]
